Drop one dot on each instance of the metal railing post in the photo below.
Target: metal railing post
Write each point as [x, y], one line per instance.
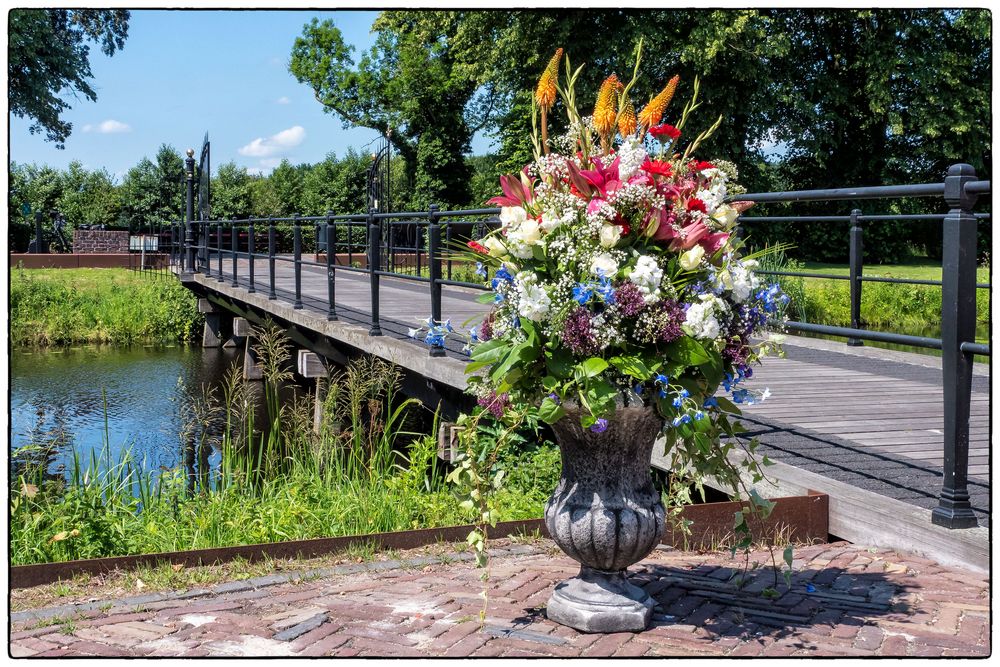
[856, 268]
[251, 248]
[374, 264]
[434, 269]
[958, 325]
[331, 276]
[218, 248]
[234, 244]
[297, 249]
[189, 233]
[271, 295]
[204, 264]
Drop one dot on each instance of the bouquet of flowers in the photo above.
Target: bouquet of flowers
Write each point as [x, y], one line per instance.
[617, 275]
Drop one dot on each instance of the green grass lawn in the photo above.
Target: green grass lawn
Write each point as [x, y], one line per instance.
[920, 269]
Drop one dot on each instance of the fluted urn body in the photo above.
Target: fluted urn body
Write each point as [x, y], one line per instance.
[606, 514]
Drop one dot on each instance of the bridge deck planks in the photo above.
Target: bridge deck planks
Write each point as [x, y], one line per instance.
[894, 412]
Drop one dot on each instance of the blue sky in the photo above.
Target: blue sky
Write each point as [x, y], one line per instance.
[183, 73]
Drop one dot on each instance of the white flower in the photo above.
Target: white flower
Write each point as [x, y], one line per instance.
[550, 222]
[766, 394]
[511, 216]
[522, 236]
[713, 197]
[647, 276]
[604, 264]
[692, 258]
[744, 282]
[533, 301]
[726, 215]
[495, 246]
[631, 155]
[700, 320]
[610, 235]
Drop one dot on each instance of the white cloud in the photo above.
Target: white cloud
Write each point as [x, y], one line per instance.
[109, 126]
[275, 144]
[283, 100]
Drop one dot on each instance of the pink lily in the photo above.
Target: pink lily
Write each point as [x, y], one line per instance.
[515, 192]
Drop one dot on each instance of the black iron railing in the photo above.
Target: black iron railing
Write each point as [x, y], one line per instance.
[414, 246]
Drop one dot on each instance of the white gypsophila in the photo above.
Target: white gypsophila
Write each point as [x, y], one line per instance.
[631, 155]
[701, 320]
[610, 235]
[714, 174]
[647, 276]
[603, 264]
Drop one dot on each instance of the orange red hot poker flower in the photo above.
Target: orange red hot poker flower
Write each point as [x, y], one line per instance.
[626, 121]
[606, 109]
[653, 112]
[545, 93]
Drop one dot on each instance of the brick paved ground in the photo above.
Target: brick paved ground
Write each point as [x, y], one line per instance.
[845, 600]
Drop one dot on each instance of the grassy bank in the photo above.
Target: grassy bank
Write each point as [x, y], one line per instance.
[906, 309]
[366, 471]
[87, 306]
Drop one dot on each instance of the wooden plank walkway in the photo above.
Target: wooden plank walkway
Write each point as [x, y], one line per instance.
[867, 417]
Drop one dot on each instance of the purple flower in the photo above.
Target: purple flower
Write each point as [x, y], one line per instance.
[577, 334]
[600, 426]
[495, 403]
[486, 328]
[629, 299]
[671, 319]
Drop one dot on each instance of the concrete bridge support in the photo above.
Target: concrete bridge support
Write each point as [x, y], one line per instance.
[310, 365]
[218, 322]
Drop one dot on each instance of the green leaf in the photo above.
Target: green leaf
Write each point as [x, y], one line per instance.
[632, 366]
[687, 351]
[592, 367]
[488, 297]
[550, 412]
[559, 363]
[728, 406]
[713, 369]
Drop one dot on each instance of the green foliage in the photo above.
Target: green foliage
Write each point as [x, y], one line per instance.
[83, 306]
[48, 56]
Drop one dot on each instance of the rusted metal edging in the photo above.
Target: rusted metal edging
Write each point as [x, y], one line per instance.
[23, 576]
[801, 518]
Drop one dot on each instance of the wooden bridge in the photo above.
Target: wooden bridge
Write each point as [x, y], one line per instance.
[899, 441]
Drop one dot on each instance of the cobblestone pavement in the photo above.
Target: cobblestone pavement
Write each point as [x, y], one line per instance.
[845, 600]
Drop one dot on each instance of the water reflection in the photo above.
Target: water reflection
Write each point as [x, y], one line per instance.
[137, 398]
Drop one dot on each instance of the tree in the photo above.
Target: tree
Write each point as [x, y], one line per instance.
[231, 196]
[286, 180]
[336, 185]
[153, 192]
[48, 55]
[410, 87]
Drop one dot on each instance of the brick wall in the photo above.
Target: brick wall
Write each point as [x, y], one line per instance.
[99, 241]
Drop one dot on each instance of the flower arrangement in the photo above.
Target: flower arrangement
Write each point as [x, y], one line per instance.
[617, 275]
[618, 281]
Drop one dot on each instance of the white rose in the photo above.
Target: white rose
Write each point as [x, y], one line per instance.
[610, 234]
[528, 231]
[512, 216]
[726, 215]
[604, 264]
[692, 258]
[495, 246]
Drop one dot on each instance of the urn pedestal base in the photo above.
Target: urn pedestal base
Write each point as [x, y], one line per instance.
[598, 601]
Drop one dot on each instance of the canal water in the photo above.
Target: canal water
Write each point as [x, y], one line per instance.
[82, 398]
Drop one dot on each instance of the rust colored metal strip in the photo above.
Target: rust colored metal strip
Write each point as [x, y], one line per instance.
[806, 518]
[24, 576]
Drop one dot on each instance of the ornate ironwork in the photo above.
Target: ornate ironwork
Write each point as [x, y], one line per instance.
[204, 177]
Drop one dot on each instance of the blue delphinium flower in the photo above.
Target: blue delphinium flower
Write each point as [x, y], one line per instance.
[448, 327]
[582, 293]
[600, 426]
[502, 275]
[678, 401]
[481, 269]
[699, 415]
[710, 402]
[474, 334]
[663, 381]
[605, 290]
[637, 388]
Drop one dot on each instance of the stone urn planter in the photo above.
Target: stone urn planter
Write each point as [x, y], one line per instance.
[605, 514]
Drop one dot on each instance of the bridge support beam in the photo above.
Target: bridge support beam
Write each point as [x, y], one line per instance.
[217, 322]
[251, 367]
[241, 332]
[310, 365]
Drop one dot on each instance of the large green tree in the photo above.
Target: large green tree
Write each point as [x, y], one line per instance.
[413, 86]
[49, 57]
